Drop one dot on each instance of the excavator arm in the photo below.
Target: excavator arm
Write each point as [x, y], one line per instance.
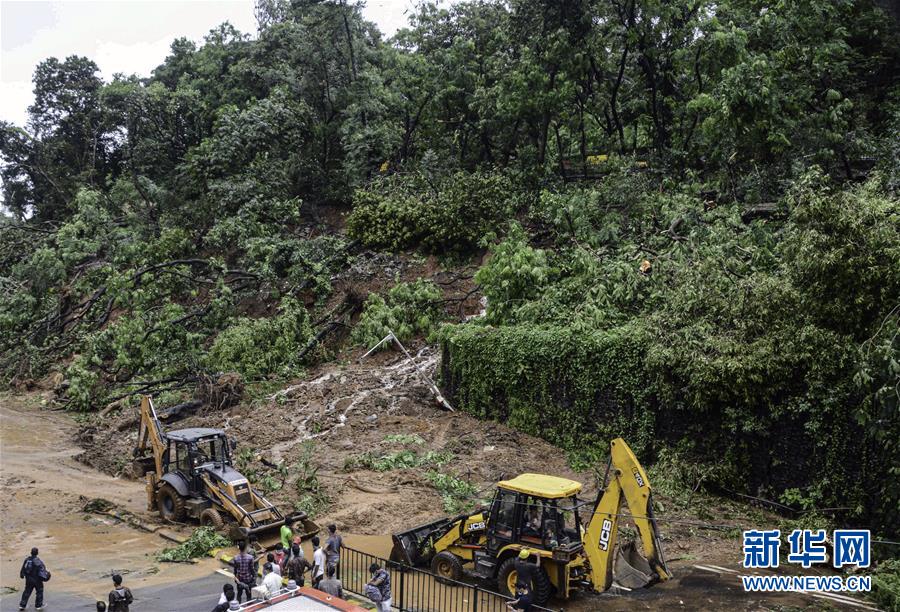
[629, 483]
[150, 434]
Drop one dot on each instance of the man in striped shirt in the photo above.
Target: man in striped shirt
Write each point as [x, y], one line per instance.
[244, 572]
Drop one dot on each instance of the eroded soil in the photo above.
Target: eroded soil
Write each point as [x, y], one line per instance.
[343, 410]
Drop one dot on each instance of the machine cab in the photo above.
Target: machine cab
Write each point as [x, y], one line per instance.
[535, 510]
[190, 449]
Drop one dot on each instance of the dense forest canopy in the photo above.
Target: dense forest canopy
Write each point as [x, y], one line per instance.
[690, 209]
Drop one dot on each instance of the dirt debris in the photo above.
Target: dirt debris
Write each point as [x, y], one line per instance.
[346, 410]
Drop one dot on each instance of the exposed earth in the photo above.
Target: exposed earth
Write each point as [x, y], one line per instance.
[378, 406]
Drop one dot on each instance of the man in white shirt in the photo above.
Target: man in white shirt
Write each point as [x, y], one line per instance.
[319, 561]
[271, 580]
[270, 558]
[227, 596]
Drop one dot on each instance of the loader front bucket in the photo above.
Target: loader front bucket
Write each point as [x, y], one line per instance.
[631, 569]
[409, 546]
[269, 534]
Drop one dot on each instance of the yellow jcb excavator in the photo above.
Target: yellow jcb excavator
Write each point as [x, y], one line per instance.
[543, 514]
[189, 474]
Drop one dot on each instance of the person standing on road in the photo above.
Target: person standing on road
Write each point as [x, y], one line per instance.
[35, 574]
[319, 562]
[332, 585]
[333, 548]
[244, 572]
[120, 597]
[297, 565]
[381, 579]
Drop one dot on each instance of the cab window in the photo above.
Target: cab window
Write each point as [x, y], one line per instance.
[505, 513]
[533, 519]
[182, 462]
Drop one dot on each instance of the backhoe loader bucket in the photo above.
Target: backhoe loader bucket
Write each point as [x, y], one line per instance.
[269, 535]
[410, 545]
[631, 569]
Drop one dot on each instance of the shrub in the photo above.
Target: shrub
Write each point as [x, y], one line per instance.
[260, 347]
[312, 497]
[514, 275]
[399, 460]
[201, 543]
[449, 215]
[409, 309]
[575, 389]
[457, 494]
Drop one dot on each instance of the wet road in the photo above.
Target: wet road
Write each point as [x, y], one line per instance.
[198, 595]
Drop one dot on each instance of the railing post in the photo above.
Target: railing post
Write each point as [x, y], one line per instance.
[475, 607]
[402, 590]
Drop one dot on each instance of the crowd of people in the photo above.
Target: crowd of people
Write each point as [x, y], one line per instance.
[286, 563]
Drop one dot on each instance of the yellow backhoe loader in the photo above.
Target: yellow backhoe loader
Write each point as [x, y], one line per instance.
[189, 474]
[544, 515]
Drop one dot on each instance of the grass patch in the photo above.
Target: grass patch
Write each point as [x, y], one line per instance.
[400, 460]
[457, 494]
[405, 439]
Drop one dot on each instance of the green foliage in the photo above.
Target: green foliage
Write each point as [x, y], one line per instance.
[154, 220]
[886, 584]
[202, 541]
[312, 496]
[400, 460]
[409, 309]
[457, 495]
[516, 273]
[729, 345]
[446, 215]
[574, 388]
[259, 347]
[84, 390]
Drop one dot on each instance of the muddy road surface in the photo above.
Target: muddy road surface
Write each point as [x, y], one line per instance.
[43, 490]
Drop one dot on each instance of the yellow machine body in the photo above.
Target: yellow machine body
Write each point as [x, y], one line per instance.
[540, 513]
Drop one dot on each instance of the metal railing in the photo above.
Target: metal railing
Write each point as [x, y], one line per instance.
[417, 590]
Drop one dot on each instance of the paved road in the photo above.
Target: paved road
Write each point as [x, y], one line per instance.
[199, 595]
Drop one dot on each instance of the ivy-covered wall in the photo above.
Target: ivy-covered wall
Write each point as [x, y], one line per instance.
[575, 389]
[580, 389]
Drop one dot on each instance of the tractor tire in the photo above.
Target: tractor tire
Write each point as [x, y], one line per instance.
[540, 586]
[446, 567]
[212, 518]
[170, 503]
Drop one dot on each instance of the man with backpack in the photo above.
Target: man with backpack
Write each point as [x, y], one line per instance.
[35, 574]
[120, 597]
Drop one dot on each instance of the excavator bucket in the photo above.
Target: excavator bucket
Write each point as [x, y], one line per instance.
[631, 569]
[410, 545]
